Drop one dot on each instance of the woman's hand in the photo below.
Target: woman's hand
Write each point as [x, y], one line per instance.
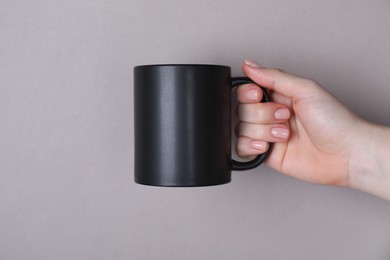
[314, 135]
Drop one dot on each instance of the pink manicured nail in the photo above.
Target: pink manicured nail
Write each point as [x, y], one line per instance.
[282, 114]
[258, 145]
[279, 132]
[252, 95]
[252, 64]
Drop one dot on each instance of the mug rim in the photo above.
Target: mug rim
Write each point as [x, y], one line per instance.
[182, 65]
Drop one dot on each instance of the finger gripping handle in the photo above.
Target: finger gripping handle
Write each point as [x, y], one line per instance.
[241, 166]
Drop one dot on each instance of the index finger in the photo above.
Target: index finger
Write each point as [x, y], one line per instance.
[249, 93]
[284, 83]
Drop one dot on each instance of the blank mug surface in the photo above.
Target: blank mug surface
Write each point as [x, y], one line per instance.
[182, 120]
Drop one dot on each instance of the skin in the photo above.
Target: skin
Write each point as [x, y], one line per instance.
[316, 138]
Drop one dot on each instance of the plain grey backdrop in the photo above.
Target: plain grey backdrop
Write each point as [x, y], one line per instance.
[66, 129]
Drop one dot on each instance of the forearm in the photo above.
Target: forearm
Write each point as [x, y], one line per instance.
[369, 167]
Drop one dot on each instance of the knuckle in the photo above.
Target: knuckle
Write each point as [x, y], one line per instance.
[260, 112]
[307, 82]
[244, 130]
[258, 132]
[248, 111]
[253, 131]
[237, 129]
[240, 112]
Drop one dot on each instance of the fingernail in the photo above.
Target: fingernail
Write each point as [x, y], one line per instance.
[279, 132]
[252, 64]
[258, 145]
[252, 95]
[282, 114]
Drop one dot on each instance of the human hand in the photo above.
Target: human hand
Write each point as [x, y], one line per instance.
[314, 135]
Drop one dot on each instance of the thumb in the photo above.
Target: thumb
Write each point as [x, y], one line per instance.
[276, 80]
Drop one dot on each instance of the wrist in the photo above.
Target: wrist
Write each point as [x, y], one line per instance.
[369, 165]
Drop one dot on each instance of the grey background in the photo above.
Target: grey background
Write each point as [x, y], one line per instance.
[66, 132]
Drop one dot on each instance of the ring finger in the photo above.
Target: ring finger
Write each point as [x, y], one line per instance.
[269, 133]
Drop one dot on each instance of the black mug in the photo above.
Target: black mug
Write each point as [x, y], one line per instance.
[182, 125]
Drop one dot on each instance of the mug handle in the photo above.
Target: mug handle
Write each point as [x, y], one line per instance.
[242, 166]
